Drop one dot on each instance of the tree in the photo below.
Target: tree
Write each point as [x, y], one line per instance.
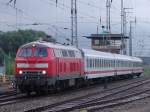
[11, 41]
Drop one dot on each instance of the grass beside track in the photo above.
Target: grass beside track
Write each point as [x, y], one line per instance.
[147, 70]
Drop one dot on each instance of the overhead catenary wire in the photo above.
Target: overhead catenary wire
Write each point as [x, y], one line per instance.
[25, 14]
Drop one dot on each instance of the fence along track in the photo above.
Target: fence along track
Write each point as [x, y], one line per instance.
[70, 104]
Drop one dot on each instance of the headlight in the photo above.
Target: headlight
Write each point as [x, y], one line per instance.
[44, 72]
[20, 72]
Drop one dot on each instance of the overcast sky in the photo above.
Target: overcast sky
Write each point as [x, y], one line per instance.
[54, 19]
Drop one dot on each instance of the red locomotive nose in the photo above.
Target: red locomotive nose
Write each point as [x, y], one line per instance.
[33, 60]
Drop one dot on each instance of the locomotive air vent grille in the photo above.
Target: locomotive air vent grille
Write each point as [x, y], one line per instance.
[32, 72]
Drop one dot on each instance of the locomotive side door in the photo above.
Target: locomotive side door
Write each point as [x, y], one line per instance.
[57, 56]
[57, 66]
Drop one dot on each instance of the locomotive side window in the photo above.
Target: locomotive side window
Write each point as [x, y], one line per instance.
[41, 52]
[25, 52]
[64, 53]
[71, 53]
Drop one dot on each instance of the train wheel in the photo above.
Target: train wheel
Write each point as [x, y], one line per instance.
[78, 83]
[57, 87]
[28, 93]
[138, 75]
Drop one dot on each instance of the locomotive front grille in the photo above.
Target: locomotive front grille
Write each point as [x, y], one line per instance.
[32, 72]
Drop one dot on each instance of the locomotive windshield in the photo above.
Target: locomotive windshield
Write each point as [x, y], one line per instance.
[37, 52]
[41, 52]
[25, 52]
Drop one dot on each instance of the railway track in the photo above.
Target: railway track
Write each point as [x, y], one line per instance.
[11, 97]
[7, 94]
[84, 101]
[98, 105]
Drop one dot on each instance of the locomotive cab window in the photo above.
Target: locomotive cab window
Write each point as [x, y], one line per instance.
[25, 52]
[41, 52]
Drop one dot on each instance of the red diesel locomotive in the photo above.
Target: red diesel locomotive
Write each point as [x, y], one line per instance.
[42, 66]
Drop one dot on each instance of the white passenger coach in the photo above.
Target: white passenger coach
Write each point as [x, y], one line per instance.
[100, 64]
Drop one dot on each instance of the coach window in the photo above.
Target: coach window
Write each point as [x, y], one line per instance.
[92, 63]
[110, 63]
[124, 65]
[107, 64]
[95, 63]
[87, 63]
[103, 63]
[98, 63]
[120, 64]
[107, 61]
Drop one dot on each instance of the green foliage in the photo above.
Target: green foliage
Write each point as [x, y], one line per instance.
[12, 40]
[2, 54]
[9, 65]
[147, 70]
